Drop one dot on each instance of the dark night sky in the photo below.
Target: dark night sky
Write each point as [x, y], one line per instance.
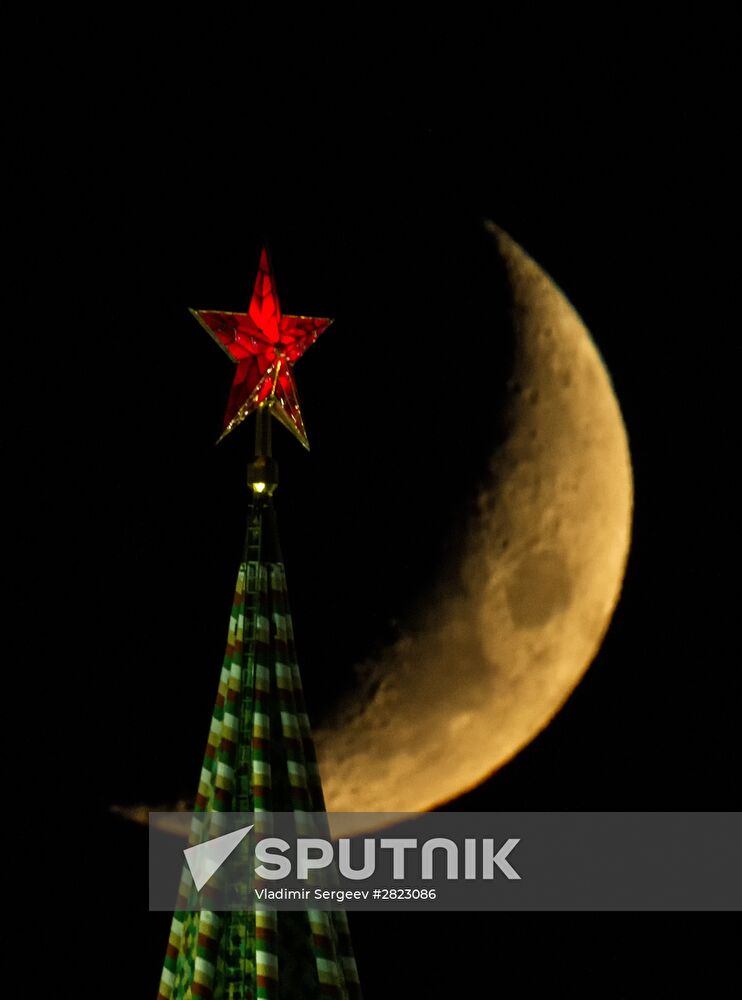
[377, 222]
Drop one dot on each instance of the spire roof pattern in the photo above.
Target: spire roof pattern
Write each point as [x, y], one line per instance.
[259, 756]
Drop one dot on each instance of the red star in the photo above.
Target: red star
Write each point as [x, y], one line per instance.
[265, 346]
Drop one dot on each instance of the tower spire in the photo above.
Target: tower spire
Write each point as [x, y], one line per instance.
[260, 755]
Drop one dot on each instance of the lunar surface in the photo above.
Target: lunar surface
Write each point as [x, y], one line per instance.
[521, 619]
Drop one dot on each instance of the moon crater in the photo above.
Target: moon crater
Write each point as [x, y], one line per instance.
[538, 588]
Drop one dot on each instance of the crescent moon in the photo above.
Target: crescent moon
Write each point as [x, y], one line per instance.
[524, 615]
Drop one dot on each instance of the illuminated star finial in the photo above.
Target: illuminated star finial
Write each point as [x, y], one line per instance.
[265, 346]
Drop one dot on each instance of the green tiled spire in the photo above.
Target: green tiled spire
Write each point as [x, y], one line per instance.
[260, 756]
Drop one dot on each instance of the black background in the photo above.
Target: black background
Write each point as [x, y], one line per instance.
[614, 176]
